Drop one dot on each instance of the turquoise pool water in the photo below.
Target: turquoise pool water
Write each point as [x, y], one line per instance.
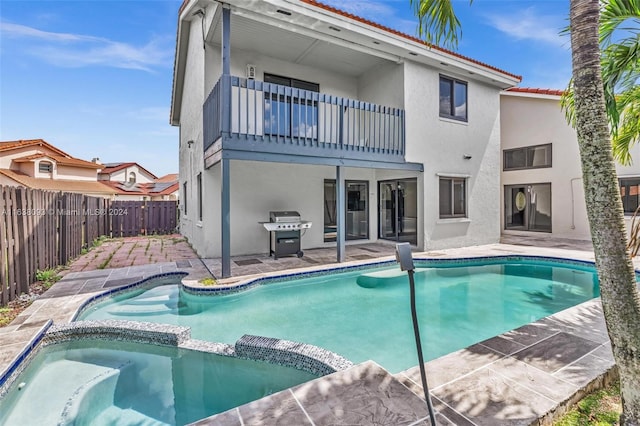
[119, 383]
[457, 307]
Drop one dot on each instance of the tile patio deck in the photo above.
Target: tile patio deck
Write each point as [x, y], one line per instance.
[522, 377]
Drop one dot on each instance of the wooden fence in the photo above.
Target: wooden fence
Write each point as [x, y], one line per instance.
[40, 230]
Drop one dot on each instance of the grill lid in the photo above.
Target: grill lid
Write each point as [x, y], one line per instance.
[288, 216]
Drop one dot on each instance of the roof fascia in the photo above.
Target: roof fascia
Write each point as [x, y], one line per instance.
[396, 45]
[530, 95]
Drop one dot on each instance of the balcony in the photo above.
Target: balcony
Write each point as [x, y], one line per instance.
[249, 119]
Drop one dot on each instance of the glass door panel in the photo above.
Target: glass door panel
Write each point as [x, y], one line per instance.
[540, 207]
[408, 211]
[398, 210]
[357, 210]
[330, 223]
[387, 191]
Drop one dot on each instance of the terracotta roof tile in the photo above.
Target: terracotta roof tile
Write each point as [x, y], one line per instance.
[552, 92]
[8, 145]
[65, 161]
[84, 187]
[114, 167]
[171, 177]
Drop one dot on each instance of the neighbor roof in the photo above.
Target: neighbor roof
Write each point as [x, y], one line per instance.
[149, 189]
[115, 167]
[65, 161]
[9, 145]
[80, 186]
[170, 178]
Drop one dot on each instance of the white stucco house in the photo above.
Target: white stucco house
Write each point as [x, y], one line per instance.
[367, 132]
[542, 186]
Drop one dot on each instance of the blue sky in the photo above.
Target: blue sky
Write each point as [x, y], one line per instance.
[94, 77]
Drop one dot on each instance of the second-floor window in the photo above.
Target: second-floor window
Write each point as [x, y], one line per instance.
[528, 157]
[453, 98]
[45, 167]
[290, 116]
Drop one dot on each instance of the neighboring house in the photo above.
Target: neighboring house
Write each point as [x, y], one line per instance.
[369, 133]
[36, 164]
[131, 181]
[542, 187]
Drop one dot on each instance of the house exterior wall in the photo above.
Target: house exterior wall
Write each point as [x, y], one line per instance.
[191, 154]
[74, 173]
[259, 187]
[440, 145]
[123, 175]
[537, 120]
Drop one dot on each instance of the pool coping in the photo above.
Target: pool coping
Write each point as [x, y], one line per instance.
[486, 356]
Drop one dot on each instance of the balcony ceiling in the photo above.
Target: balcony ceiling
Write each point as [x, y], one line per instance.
[269, 40]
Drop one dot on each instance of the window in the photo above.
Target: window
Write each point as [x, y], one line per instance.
[629, 191]
[453, 99]
[286, 117]
[45, 167]
[132, 177]
[184, 197]
[528, 157]
[453, 197]
[199, 185]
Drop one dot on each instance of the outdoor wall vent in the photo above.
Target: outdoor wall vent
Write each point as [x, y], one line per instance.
[284, 12]
[252, 70]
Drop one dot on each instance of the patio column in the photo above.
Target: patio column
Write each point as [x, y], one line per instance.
[225, 215]
[340, 214]
[225, 199]
[226, 40]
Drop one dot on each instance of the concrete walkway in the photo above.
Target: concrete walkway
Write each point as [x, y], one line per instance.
[522, 377]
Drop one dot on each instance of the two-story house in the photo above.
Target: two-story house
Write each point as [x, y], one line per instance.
[369, 133]
[36, 164]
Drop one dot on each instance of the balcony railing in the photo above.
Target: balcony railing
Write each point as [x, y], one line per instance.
[267, 117]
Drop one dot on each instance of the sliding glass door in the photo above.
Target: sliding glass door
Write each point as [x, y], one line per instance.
[398, 210]
[357, 214]
[528, 207]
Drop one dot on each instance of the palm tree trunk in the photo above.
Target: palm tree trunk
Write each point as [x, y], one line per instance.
[619, 293]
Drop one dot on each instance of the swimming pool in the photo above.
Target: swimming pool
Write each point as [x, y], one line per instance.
[104, 382]
[460, 303]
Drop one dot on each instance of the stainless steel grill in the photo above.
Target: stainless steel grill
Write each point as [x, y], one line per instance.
[284, 233]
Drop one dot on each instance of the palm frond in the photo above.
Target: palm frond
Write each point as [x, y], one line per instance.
[437, 22]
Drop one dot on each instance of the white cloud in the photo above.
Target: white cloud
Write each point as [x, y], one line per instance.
[527, 24]
[76, 50]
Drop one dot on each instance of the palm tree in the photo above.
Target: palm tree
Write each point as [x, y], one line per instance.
[619, 294]
[620, 61]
